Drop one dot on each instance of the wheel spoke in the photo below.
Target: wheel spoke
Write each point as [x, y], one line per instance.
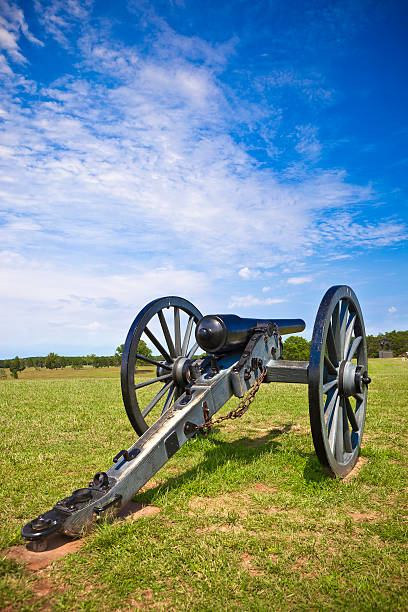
[329, 366]
[169, 398]
[166, 333]
[346, 433]
[329, 385]
[156, 398]
[339, 433]
[351, 416]
[152, 361]
[152, 381]
[187, 336]
[344, 311]
[331, 346]
[349, 333]
[336, 329]
[334, 425]
[354, 347]
[157, 344]
[192, 350]
[360, 410]
[177, 332]
[330, 405]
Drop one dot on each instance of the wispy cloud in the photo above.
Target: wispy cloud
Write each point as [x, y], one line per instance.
[60, 17]
[245, 301]
[299, 280]
[308, 143]
[127, 173]
[12, 25]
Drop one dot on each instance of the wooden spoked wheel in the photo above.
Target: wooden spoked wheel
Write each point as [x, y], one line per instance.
[338, 381]
[168, 324]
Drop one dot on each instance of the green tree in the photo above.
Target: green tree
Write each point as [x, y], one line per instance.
[296, 348]
[77, 363]
[372, 346]
[52, 361]
[118, 354]
[39, 362]
[142, 349]
[16, 365]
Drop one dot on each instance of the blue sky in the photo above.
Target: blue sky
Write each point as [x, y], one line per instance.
[243, 155]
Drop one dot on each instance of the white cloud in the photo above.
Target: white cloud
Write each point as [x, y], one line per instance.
[61, 304]
[248, 274]
[308, 144]
[129, 186]
[299, 280]
[12, 24]
[337, 257]
[392, 309]
[266, 289]
[244, 301]
[58, 17]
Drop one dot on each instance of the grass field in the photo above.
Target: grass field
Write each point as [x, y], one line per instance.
[247, 519]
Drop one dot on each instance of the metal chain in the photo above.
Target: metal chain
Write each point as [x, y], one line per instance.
[238, 412]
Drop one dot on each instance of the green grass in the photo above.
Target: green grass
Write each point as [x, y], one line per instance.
[248, 521]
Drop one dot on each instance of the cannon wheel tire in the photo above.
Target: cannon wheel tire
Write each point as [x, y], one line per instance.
[338, 381]
[172, 342]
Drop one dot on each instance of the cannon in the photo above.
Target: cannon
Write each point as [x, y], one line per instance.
[204, 361]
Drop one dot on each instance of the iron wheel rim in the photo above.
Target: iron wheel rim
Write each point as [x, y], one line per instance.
[169, 349]
[338, 321]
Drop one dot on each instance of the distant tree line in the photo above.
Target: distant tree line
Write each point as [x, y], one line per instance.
[397, 340]
[53, 361]
[296, 348]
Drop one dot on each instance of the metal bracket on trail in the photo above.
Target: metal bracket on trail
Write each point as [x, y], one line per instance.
[240, 355]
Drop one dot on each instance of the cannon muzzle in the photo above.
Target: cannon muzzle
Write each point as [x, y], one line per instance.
[230, 333]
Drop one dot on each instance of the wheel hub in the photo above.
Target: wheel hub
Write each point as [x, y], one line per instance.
[182, 374]
[352, 378]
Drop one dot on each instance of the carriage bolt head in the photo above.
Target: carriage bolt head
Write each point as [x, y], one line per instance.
[40, 524]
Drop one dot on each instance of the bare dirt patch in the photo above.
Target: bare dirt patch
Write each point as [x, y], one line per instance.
[142, 600]
[58, 547]
[365, 517]
[301, 564]
[301, 429]
[222, 504]
[224, 529]
[263, 488]
[151, 484]
[242, 502]
[247, 562]
[135, 510]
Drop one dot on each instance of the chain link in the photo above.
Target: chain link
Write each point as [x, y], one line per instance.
[238, 412]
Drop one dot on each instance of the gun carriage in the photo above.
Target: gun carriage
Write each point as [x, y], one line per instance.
[240, 353]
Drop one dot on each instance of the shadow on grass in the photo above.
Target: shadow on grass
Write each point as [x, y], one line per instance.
[245, 450]
[313, 471]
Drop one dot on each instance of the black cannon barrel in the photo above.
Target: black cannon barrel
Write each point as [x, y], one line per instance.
[228, 333]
